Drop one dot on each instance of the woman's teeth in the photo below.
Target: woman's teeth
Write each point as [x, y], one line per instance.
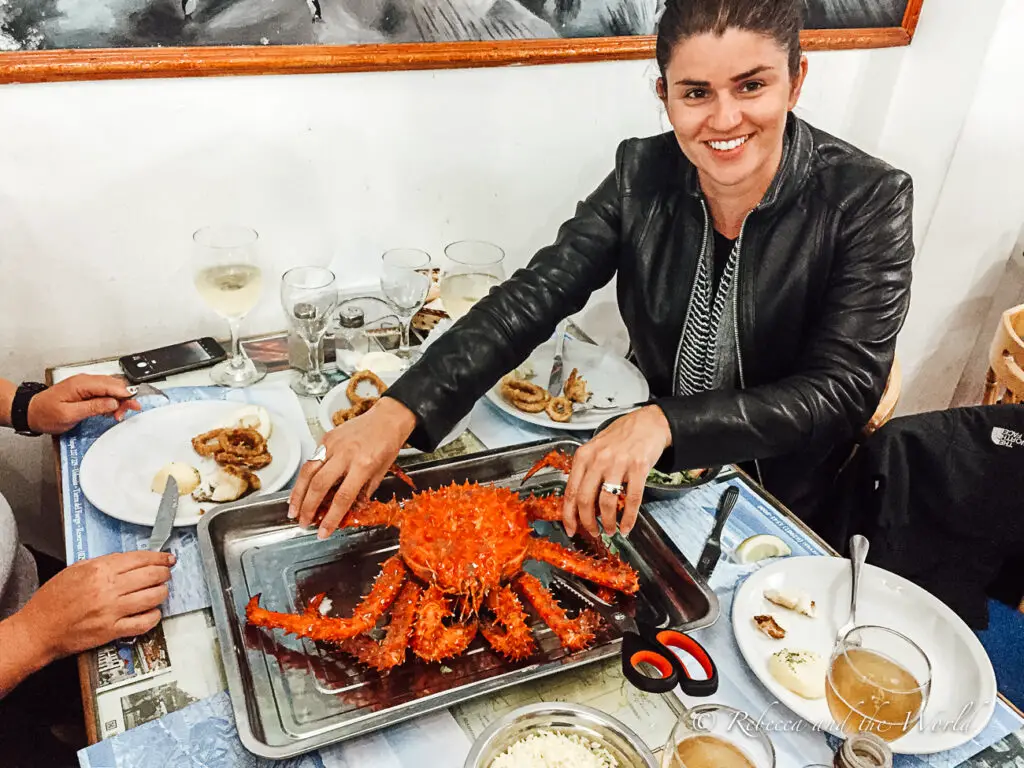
[725, 146]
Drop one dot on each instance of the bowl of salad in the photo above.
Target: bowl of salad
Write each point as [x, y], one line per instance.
[670, 485]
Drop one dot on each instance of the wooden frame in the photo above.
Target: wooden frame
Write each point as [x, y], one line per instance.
[118, 63]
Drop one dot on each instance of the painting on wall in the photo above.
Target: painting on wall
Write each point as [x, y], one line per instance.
[90, 39]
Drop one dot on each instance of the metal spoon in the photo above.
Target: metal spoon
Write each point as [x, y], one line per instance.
[858, 554]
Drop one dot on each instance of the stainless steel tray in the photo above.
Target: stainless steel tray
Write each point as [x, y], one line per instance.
[291, 696]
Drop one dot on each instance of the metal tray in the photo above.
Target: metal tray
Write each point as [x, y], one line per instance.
[291, 696]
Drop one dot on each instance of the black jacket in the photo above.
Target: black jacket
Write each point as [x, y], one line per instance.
[822, 290]
[940, 497]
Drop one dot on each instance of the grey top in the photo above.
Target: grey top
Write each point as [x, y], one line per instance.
[18, 577]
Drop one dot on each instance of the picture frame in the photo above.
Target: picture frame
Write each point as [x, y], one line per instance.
[69, 64]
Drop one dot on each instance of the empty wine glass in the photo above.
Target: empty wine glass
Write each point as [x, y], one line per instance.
[309, 296]
[227, 275]
[405, 282]
[471, 269]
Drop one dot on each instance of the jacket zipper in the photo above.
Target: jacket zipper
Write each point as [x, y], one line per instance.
[689, 305]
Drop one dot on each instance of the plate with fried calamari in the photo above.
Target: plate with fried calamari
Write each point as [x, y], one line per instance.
[217, 451]
[593, 375]
[355, 396]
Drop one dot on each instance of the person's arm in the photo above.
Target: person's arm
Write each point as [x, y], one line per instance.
[21, 652]
[843, 369]
[504, 327]
[7, 390]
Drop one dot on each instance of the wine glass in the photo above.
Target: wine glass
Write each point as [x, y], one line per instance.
[227, 275]
[471, 269]
[309, 296]
[405, 282]
[878, 681]
[717, 736]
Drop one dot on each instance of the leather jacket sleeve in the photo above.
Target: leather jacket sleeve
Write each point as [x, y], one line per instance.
[504, 327]
[845, 361]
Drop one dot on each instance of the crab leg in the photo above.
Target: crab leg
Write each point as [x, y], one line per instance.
[431, 639]
[509, 635]
[554, 459]
[547, 508]
[607, 571]
[574, 634]
[390, 652]
[364, 514]
[316, 627]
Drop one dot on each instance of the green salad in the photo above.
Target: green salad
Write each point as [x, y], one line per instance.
[686, 477]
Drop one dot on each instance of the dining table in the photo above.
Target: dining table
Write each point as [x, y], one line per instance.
[162, 699]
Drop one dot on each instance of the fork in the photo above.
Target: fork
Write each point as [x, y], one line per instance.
[858, 554]
[611, 406]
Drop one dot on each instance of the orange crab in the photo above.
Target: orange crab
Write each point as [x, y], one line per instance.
[463, 543]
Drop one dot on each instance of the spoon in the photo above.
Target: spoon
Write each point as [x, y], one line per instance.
[858, 554]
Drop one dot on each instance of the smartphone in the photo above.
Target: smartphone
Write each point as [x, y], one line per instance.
[159, 363]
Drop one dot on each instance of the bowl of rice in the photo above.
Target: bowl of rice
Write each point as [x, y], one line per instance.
[559, 735]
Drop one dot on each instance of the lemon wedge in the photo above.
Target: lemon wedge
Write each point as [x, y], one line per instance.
[761, 547]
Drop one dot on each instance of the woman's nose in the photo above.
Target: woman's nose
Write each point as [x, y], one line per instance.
[725, 114]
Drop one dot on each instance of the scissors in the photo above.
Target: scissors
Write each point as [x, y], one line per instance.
[644, 644]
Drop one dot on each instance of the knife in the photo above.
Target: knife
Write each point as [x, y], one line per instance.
[165, 516]
[713, 548]
[555, 380]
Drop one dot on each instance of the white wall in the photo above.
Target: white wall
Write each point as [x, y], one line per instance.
[101, 184]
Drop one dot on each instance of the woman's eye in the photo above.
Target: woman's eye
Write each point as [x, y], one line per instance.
[751, 86]
[695, 93]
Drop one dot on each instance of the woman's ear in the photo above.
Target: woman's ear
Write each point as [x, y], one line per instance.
[797, 83]
[659, 87]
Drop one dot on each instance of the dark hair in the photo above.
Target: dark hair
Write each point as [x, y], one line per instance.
[780, 20]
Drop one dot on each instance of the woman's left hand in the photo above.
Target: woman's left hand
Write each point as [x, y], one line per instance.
[622, 454]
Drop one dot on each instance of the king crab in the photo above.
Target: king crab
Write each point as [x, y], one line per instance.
[462, 544]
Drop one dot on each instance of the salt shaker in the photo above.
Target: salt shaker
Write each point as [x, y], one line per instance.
[351, 341]
[864, 750]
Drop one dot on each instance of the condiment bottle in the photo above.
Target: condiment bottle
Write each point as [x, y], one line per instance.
[863, 750]
[351, 341]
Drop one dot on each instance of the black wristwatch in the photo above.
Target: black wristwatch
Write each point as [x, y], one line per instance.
[19, 407]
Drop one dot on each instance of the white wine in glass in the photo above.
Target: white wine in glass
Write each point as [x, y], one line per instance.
[471, 269]
[228, 278]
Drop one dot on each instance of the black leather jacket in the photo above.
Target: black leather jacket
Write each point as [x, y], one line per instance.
[823, 286]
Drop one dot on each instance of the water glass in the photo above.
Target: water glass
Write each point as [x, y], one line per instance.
[717, 736]
[309, 296]
[471, 268]
[226, 273]
[405, 282]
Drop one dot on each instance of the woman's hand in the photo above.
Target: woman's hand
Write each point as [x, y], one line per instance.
[93, 602]
[622, 454]
[62, 406]
[359, 453]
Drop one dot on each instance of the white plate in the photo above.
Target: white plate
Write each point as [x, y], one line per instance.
[608, 376]
[337, 400]
[119, 467]
[962, 673]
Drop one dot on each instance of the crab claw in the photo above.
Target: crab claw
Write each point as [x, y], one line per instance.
[395, 470]
[553, 459]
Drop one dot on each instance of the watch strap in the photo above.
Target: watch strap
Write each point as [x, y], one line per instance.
[19, 407]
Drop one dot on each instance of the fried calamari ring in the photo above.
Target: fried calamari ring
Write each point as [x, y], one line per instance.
[531, 407]
[259, 461]
[242, 441]
[519, 391]
[352, 390]
[340, 417]
[559, 409]
[207, 443]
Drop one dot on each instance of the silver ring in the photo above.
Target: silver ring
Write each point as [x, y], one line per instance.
[320, 454]
[612, 488]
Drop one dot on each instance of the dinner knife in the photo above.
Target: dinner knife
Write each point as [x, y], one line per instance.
[555, 379]
[165, 516]
[713, 548]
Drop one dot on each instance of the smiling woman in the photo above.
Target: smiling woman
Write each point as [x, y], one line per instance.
[763, 272]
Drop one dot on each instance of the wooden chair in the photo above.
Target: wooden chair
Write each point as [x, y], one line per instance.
[1005, 379]
[890, 397]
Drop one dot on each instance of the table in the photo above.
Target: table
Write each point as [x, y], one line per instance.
[148, 693]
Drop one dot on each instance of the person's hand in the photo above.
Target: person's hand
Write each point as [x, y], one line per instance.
[62, 406]
[359, 453]
[622, 454]
[94, 602]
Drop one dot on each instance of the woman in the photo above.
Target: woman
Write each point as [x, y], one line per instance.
[763, 272]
